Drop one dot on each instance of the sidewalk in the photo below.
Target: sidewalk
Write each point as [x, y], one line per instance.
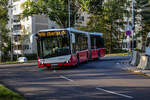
[134, 69]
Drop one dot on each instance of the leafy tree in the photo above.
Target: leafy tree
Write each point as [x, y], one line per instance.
[56, 10]
[107, 17]
[5, 40]
[142, 9]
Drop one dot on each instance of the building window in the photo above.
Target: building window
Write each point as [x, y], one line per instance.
[16, 18]
[15, 0]
[17, 27]
[18, 47]
[81, 18]
[17, 38]
[26, 47]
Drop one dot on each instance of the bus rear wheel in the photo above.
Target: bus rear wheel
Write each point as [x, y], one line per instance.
[77, 62]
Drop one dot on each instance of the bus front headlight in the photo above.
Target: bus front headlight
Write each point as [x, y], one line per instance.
[41, 61]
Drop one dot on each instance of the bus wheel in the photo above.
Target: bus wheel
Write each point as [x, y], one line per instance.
[87, 58]
[99, 56]
[77, 62]
[48, 68]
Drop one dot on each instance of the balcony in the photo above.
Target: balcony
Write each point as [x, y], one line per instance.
[16, 22]
[17, 52]
[17, 32]
[17, 43]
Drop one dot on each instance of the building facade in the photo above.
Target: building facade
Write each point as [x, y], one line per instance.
[23, 29]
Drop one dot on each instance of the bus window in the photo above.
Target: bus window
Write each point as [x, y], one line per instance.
[81, 42]
[100, 42]
[93, 42]
[55, 46]
[39, 49]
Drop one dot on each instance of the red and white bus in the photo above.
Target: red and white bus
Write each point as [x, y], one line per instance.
[68, 47]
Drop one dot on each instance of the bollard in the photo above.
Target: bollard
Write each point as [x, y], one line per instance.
[135, 58]
[144, 63]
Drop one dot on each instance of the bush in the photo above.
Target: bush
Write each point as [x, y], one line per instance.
[5, 58]
[116, 50]
[139, 50]
[119, 51]
[31, 56]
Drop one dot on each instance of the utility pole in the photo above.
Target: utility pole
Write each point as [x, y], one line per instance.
[0, 45]
[11, 52]
[133, 2]
[69, 23]
[69, 13]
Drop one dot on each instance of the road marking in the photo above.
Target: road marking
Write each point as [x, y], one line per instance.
[123, 95]
[66, 78]
[117, 63]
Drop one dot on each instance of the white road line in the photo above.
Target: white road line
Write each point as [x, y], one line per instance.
[66, 78]
[117, 63]
[123, 95]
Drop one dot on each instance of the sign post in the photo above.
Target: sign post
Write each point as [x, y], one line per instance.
[128, 32]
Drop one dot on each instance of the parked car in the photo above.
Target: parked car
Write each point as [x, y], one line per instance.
[22, 59]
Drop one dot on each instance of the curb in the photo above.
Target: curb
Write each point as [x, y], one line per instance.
[137, 72]
[127, 62]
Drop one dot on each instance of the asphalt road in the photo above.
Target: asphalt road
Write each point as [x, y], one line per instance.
[95, 80]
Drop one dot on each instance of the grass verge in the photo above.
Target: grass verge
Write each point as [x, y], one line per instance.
[15, 62]
[6, 94]
[138, 72]
[116, 54]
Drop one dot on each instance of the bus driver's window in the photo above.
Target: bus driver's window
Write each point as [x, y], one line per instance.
[46, 48]
[54, 46]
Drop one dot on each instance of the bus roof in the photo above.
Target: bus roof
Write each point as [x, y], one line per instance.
[96, 33]
[72, 30]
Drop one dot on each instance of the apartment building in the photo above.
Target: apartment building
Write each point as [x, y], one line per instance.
[24, 29]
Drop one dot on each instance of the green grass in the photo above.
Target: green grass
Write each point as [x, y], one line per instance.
[117, 54]
[15, 62]
[9, 62]
[6, 94]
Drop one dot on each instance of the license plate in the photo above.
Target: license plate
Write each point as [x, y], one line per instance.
[54, 64]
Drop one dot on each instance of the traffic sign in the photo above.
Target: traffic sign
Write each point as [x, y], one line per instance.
[128, 32]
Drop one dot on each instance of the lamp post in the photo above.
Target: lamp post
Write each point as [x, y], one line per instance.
[69, 19]
[69, 13]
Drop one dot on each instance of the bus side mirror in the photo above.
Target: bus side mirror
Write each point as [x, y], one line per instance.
[73, 38]
[36, 36]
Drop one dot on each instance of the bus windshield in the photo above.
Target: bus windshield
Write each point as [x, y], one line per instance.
[54, 46]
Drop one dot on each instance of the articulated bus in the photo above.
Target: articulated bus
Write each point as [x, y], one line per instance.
[68, 47]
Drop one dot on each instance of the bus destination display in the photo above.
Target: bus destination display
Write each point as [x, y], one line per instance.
[45, 34]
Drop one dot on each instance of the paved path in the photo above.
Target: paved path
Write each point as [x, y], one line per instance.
[95, 80]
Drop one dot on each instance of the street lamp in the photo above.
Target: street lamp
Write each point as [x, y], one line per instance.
[69, 23]
[69, 13]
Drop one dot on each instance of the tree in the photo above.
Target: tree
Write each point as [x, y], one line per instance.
[107, 17]
[5, 39]
[142, 9]
[56, 10]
